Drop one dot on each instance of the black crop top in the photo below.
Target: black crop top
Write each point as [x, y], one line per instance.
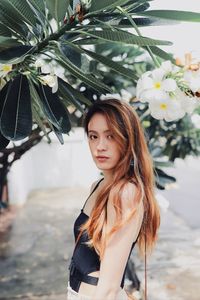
[86, 259]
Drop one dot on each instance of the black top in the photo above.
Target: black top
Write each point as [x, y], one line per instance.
[86, 259]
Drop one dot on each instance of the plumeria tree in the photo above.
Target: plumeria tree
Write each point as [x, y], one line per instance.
[42, 42]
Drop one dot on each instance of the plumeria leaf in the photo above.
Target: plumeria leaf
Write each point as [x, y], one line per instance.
[163, 54]
[140, 7]
[143, 22]
[4, 31]
[20, 10]
[15, 24]
[16, 115]
[58, 8]
[162, 178]
[58, 134]
[186, 16]
[123, 37]
[73, 55]
[3, 142]
[14, 52]
[40, 14]
[106, 4]
[39, 4]
[87, 78]
[113, 65]
[6, 42]
[53, 108]
[76, 94]
[67, 94]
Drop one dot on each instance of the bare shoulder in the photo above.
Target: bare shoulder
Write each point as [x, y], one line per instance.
[130, 199]
[129, 195]
[93, 185]
[130, 202]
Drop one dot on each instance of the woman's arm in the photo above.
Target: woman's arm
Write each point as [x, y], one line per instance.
[119, 245]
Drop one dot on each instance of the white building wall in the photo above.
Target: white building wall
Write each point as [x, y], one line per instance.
[53, 165]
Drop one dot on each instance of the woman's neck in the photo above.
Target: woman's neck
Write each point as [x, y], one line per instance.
[108, 176]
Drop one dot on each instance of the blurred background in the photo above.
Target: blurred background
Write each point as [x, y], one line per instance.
[43, 183]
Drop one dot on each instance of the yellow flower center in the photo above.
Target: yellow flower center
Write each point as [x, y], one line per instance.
[163, 106]
[6, 68]
[157, 85]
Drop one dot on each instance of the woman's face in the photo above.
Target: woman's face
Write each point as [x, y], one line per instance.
[103, 146]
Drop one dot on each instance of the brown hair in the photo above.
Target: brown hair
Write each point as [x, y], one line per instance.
[126, 127]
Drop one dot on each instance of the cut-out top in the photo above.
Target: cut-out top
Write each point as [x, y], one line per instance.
[86, 259]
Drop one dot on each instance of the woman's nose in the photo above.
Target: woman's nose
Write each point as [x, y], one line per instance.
[101, 145]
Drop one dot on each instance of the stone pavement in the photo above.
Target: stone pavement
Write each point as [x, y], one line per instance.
[36, 248]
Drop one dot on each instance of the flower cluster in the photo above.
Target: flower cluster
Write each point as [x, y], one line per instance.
[50, 72]
[46, 72]
[4, 70]
[171, 91]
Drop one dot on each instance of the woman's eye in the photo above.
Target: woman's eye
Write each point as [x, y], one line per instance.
[92, 137]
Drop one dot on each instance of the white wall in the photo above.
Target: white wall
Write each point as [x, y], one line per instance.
[53, 165]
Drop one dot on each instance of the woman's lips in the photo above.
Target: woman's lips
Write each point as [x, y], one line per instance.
[102, 158]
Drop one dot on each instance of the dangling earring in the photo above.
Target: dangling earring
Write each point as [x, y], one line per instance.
[132, 165]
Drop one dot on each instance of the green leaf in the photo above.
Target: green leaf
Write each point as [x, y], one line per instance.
[186, 16]
[162, 54]
[68, 95]
[40, 14]
[87, 78]
[72, 54]
[99, 5]
[19, 10]
[163, 164]
[144, 22]
[59, 135]
[57, 8]
[37, 118]
[6, 42]
[4, 30]
[16, 115]
[123, 37]
[10, 20]
[3, 142]
[163, 178]
[113, 65]
[12, 53]
[53, 108]
[39, 4]
[78, 95]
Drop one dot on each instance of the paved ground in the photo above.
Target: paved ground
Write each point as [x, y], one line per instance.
[36, 248]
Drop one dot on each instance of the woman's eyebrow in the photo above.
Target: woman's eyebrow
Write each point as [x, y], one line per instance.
[108, 130]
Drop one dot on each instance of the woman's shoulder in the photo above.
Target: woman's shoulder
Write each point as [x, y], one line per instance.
[94, 184]
[128, 194]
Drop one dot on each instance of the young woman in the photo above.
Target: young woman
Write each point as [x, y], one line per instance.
[121, 209]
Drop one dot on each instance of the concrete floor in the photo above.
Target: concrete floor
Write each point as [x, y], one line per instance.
[36, 248]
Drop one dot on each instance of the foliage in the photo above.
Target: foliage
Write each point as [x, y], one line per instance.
[34, 30]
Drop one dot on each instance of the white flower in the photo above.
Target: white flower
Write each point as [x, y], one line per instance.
[189, 103]
[167, 67]
[47, 69]
[5, 69]
[193, 79]
[51, 81]
[59, 71]
[39, 63]
[154, 85]
[168, 108]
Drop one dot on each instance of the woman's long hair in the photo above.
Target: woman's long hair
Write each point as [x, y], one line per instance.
[127, 130]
